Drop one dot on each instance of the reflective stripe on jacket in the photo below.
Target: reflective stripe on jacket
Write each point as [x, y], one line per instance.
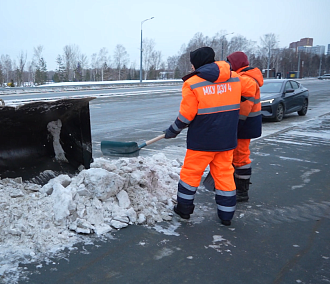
[250, 119]
[210, 107]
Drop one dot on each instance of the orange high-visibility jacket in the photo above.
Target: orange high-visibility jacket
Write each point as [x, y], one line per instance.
[210, 107]
[250, 119]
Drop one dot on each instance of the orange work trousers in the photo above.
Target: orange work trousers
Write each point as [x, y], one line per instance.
[242, 153]
[221, 168]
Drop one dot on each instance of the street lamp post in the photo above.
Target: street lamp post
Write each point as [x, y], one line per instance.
[268, 61]
[320, 66]
[298, 75]
[141, 49]
[222, 44]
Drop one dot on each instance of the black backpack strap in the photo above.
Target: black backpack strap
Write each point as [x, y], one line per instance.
[247, 69]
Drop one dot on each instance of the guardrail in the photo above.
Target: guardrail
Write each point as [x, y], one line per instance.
[79, 86]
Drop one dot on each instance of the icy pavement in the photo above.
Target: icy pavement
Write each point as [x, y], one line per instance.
[273, 238]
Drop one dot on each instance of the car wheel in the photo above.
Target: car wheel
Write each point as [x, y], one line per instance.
[279, 113]
[304, 108]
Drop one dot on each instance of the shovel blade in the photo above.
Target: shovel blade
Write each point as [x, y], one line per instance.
[28, 148]
[114, 148]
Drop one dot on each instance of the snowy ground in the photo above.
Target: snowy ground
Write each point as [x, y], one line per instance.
[39, 221]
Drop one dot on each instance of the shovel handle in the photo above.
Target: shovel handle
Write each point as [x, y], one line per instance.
[153, 140]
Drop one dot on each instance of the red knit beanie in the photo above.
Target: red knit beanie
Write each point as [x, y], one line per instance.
[238, 60]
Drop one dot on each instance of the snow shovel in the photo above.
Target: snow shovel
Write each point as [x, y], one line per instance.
[127, 149]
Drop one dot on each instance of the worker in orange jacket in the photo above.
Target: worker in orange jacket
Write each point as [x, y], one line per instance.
[210, 104]
[250, 121]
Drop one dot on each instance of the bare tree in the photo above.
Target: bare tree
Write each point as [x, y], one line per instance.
[36, 59]
[2, 79]
[156, 59]
[39, 66]
[83, 60]
[241, 43]
[20, 70]
[268, 42]
[184, 64]
[220, 44]
[287, 60]
[172, 62]
[70, 58]
[94, 66]
[7, 66]
[30, 74]
[199, 40]
[148, 49]
[172, 65]
[37, 53]
[120, 58]
[155, 64]
[102, 60]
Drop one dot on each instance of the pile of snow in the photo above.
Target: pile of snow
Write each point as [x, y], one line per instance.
[38, 221]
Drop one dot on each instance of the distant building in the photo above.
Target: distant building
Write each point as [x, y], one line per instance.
[318, 49]
[306, 45]
[303, 42]
[306, 49]
[306, 42]
[328, 53]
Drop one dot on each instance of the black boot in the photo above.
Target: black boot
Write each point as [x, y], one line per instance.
[242, 187]
[184, 210]
[226, 222]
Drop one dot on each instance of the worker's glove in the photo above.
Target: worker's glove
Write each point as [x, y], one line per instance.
[170, 133]
[175, 129]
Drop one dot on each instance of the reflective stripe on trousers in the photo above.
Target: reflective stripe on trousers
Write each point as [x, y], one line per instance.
[243, 172]
[241, 159]
[226, 203]
[186, 193]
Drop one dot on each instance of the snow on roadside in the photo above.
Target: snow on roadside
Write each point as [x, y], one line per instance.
[38, 221]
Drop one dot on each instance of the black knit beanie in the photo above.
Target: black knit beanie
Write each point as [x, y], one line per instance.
[202, 56]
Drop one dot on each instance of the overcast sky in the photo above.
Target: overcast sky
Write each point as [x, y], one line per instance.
[92, 25]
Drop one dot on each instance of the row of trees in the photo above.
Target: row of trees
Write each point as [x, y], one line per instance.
[72, 65]
[265, 56]
[34, 72]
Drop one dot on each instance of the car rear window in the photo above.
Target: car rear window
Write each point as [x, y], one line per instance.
[271, 87]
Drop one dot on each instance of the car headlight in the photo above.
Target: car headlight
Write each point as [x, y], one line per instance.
[267, 101]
